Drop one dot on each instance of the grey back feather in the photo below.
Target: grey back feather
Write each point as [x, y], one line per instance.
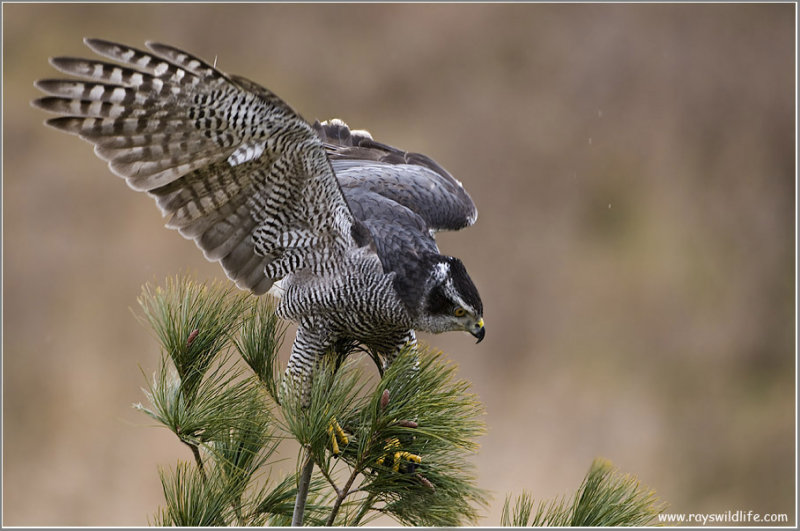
[411, 179]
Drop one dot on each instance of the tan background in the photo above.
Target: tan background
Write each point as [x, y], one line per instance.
[634, 170]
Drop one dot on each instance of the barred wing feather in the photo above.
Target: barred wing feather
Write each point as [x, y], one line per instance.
[234, 167]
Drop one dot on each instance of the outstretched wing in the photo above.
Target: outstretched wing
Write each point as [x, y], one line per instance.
[409, 179]
[233, 165]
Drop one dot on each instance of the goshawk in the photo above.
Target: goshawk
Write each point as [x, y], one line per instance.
[342, 225]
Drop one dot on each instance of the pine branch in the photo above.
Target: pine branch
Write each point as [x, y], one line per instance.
[198, 460]
[408, 438]
[341, 495]
[302, 490]
[278, 502]
[225, 397]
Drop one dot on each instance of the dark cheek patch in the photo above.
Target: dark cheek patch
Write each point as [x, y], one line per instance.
[464, 286]
[438, 304]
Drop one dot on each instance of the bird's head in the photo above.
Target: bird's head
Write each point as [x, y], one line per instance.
[451, 301]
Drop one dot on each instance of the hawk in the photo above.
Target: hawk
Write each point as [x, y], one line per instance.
[339, 226]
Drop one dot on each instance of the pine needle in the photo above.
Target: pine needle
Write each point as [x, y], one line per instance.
[605, 498]
[260, 338]
[404, 442]
[191, 500]
[193, 322]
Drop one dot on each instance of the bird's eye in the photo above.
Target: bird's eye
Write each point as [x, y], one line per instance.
[459, 312]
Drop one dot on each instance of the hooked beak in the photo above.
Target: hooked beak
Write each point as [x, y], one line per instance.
[478, 330]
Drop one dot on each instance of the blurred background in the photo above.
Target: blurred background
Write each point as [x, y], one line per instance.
[634, 170]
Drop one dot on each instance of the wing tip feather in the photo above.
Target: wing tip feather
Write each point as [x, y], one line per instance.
[67, 124]
[93, 43]
[102, 46]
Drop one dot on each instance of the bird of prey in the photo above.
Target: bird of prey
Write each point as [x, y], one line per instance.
[342, 225]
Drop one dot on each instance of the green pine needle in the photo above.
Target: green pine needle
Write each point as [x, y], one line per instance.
[605, 498]
[233, 415]
[191, 500]
[608, 498]
[246, 447]
[223, 399]
[258, 343]
[193, 322]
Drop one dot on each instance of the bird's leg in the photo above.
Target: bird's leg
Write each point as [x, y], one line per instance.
[394, 457]
[308, 347]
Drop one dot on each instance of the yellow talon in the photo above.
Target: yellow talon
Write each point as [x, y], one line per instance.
[405, 455]
[390, 444]
[337, 434]
[393, 444]
[334, 444]
[412, 457]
